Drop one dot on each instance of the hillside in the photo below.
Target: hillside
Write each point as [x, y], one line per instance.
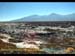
[4, 45]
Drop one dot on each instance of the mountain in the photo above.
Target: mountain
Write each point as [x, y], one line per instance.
[51, 17]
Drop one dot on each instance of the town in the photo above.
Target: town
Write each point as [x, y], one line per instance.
[38, 37]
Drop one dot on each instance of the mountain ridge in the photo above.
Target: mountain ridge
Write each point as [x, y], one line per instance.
[50, 17]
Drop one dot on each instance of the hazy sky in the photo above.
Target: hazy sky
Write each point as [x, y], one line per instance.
[15, 10]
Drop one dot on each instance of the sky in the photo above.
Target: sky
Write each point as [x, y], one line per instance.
[16, 10]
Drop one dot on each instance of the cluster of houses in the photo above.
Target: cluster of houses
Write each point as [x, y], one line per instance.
[33, 36]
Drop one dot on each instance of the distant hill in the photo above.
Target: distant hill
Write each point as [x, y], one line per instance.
[51, 17]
